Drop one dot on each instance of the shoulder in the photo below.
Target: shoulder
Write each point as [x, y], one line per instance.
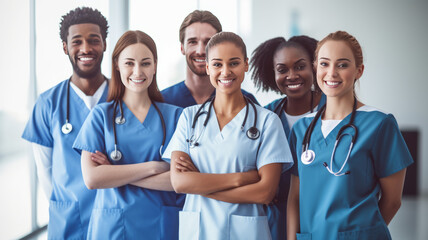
[369, 112]
[271, 106]
[54, 92]
[250, 96]
[172, 88]
[168, 108]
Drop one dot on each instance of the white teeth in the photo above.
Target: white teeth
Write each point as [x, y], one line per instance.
[332, 83]
[294, 86]
[137, 81]
[199, 60]
[225, 81]
[85, 59]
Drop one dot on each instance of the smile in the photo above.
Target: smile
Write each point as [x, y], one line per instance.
[137, 80]
[225, 81]
[293, 86]
[330, 83]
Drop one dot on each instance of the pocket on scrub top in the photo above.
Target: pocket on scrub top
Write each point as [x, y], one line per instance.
[64, 221]
[249, 228]
[106, 224]
[304, 236]
[378, 232]
[189, 225]
[169, 222]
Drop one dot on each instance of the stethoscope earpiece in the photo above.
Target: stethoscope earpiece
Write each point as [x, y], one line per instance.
[253, 133]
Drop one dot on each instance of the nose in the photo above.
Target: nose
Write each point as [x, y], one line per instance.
[292, 75]
[332, 71]
[225, 71]
[200, 49]
[138, 70]
[85, 47]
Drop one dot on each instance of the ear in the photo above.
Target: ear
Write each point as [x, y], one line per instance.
[182, 49]
[246, 65]
[105, 45]
[64, 47]
[360, 71]
[207, 68]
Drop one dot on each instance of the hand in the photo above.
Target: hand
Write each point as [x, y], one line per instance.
[100, 158]
[250, 177]
[184, 164]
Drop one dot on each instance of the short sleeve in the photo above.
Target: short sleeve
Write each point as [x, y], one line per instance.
[178, 139]
[38, 128]
[274, 146]
[292, 140]
[390, 150]
[91, 135]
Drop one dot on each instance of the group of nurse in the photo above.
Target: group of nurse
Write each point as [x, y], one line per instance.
[316, 164]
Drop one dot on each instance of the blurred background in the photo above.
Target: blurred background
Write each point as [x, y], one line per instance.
[392, 33]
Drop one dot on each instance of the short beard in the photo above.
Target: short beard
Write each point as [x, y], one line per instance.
[193, 69]
[92, 73]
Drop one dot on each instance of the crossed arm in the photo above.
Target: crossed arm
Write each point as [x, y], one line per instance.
[243, 187]
[99, 173]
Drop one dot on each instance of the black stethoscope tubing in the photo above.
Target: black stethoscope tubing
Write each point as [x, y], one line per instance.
[116, 155]
[310, 155]
[252, 133]
[283, 103]
[67, 127]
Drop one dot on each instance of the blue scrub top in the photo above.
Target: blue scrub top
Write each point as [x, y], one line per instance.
[346, 207]
[71, 202]
[277, 210]
[131, 212]
[179, 95]
[205, 218]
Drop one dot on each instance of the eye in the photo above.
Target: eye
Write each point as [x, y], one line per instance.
[94, 41]
[129, 63]
[191, 42]
[145, 64]
[234, 64]
[282, 70]
[342, 65]
[300, 67]
[76, 42]
[323, 64]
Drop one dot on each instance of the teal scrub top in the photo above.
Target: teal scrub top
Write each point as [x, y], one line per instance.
[346, 207]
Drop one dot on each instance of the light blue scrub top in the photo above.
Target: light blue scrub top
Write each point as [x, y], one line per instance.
[71, 202]
[180, 95]
[346, 207]
[131, 212]
[277, 210]
[228, 151]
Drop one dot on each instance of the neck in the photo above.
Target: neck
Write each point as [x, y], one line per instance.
[338, 108]
[302, 105]
[137, 101]
[229, 104]
[199, 86]
[88, 85]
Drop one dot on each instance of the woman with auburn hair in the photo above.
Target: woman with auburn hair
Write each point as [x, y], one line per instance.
[121, 144]
[224, 153]
[285, 67]
[350, 158]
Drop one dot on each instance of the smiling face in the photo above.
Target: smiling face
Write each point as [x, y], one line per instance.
[293, 72]
[336, 69]
[226, 67]
[137, 67]
[85, 48]
[196, 38]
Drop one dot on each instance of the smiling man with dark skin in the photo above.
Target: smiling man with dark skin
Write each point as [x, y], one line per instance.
[195, 31]
[56, 120]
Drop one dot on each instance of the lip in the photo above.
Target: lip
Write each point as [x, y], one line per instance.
[137, 80]
[294, 86]
[332, 84]
[86, 59]
[226, 82]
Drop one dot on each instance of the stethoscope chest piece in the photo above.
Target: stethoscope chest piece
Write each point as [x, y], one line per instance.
[120, 120]
[66, 128]
[307, 157]
[115, 155]
[253, 133]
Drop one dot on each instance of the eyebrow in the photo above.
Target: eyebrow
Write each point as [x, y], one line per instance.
[340, 59]
[144, 59]
[90, 35]
[232, 59]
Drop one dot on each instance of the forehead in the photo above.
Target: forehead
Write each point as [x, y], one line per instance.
[225, 50]
[199, 30]
[292, 53]
[136, 51]
[84, 30]
[335, 50]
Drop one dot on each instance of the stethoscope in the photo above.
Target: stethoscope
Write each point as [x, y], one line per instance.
[252, 133]
[283, 103]
[116, 155]
[67, 127]
[308, 156]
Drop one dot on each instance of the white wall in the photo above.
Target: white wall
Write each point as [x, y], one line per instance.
[393, 35]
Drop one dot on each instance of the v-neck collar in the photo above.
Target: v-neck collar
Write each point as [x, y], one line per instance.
[331, 137]
[228, 129]
[129, 116]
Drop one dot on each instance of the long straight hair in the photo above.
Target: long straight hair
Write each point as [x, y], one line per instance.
[117, 89]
